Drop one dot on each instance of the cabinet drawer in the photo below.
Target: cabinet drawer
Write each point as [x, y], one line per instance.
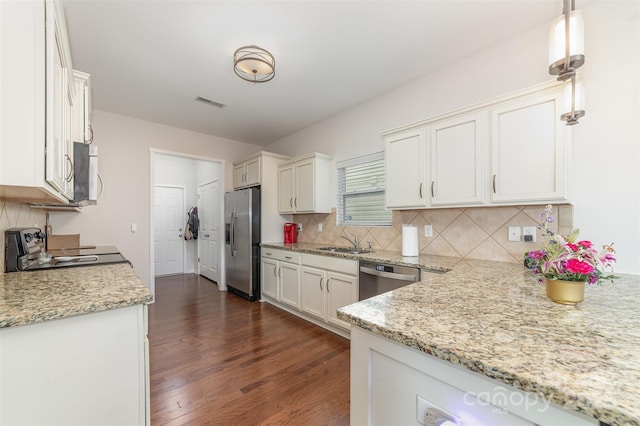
[281, 255]
[345, 266]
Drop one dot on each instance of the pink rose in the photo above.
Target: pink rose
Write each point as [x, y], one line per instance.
[576, 266]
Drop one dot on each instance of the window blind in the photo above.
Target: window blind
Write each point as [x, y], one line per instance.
[361, 183]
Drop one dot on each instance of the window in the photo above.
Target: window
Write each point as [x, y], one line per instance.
[361, 192]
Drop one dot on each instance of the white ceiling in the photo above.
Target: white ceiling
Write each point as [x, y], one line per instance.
[149, 59]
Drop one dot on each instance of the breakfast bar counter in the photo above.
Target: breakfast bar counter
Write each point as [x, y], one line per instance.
[37, 296]
[494, 319]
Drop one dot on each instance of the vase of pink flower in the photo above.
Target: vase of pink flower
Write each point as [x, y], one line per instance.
[566, 263]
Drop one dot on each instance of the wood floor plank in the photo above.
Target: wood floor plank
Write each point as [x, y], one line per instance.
[217, 359]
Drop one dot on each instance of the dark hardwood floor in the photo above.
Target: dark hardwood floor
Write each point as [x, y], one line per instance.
[217, 359]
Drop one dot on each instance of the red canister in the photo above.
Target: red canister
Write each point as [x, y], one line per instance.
[290, 233]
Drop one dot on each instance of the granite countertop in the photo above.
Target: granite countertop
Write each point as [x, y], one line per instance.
[37, 296]
[494, 318]
[426, 262]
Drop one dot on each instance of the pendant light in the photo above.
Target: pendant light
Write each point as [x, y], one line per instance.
[254, 64]
[566, 55]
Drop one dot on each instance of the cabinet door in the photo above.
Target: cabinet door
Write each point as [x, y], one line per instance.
[81, 125]
[456, 161]
[252, 174]
[341, 291]
[269, 275]
[405, 170]
[239, 175]
[56, 143]
[68, 141]
[285, 189]
[312, 284]
[528, 151]
[304, 184]
[289, 284]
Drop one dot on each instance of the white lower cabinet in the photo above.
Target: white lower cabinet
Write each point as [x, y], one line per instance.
[392, 383]
[314, 286]
[87, 369]
[280, 276]
[327, 284]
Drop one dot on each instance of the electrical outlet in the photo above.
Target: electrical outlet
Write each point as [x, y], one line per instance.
[429, 414]
[299, 227]
[514, 233]
[529, 234]
[428, 231]
[320, 227]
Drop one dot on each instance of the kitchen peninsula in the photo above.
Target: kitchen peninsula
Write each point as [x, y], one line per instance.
[73, 346]
[460, 338]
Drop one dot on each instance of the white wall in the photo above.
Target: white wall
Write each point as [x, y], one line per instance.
[606, 142]
[124, 162]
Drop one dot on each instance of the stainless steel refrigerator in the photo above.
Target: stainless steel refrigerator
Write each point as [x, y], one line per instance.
[242, 242]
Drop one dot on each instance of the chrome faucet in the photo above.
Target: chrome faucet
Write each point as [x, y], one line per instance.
[355, 241]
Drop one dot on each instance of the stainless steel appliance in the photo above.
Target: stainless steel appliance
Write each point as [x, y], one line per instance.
[25, 251]
[378, 278]
[242, 242]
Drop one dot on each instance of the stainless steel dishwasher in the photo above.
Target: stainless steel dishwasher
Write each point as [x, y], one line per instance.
[377, 278]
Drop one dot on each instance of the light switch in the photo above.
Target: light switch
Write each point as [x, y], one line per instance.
[320, 227]
[514, 233]
[134, 228]
[428, 231]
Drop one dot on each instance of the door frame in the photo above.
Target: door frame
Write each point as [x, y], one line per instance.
[184, 209]
[222, 178]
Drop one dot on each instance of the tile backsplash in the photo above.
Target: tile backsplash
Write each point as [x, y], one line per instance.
[474, 232]
[18, 215]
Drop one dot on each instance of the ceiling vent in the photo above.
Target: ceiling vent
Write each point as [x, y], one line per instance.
[210, 102]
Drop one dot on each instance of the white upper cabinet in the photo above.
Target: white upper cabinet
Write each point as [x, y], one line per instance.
[247, 173]
[516, 148]
[529, 151]
[37, 99]
[456, 160]
[405, 158]
[81, 118]
[304, 185]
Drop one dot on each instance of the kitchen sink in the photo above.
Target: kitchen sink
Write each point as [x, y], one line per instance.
[348, 250]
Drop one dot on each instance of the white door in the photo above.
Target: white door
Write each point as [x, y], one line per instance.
[170, 218]
[208, 235]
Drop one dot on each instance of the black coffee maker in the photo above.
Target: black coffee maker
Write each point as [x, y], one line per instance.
[22, 247]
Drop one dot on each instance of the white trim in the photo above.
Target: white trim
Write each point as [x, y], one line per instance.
[360, 160]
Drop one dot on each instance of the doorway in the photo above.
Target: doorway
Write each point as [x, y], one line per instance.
[177, 170]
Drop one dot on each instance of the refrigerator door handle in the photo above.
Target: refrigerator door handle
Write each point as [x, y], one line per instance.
[232, 238]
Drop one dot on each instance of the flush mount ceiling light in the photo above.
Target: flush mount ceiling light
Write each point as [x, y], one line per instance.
[566, 55]
[254, 64]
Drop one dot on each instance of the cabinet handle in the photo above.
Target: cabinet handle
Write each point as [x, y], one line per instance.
[70, 175]
[328, 279]
[321, 284]
[275, 272]
[268, 254]
[432, 182]
[494, 184]
[288, 257]
[280, 272]
[420, 189]
[295, 202]
[206, 235]
[291, 202]
[90, 135]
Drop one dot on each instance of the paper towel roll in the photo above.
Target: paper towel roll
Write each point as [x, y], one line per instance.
[409, 240]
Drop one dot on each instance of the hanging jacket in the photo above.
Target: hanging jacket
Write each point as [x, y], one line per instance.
[193, 223]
